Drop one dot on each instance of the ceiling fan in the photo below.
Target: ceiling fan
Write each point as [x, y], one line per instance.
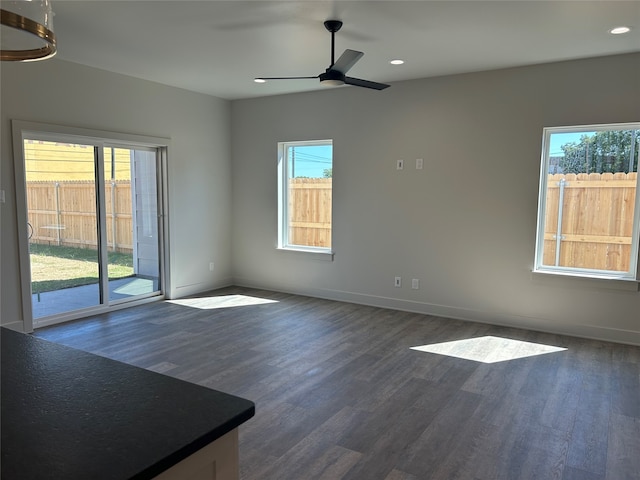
[336, 73]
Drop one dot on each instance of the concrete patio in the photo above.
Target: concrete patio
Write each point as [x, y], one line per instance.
[85, 296]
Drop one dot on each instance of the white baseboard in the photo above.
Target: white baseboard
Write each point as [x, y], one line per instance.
[196, 288]
[539, 324]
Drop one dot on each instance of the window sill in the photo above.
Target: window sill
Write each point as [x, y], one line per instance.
[326, 255]
[603, 281]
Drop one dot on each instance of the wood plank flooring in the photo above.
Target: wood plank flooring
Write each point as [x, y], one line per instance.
[340, 394]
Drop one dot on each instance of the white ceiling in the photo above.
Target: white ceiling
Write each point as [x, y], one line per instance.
[218, 47]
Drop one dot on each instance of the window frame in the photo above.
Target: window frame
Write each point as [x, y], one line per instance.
[100, 139]
[283, 200]
[631, 275]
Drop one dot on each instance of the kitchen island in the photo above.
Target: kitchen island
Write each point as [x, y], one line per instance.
[69, 414]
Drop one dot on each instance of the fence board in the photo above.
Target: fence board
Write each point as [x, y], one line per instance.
[64, 213]
[597, 220]
[310, 211]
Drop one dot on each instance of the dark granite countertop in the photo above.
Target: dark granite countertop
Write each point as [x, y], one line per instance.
[68, 414]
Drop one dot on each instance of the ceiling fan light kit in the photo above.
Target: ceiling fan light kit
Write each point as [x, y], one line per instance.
[335, 75]
[27, 30]
[331, 78]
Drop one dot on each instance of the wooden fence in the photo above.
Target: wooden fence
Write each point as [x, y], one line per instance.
[310, 211]
[596, 216]
[596, 220]
[64, 213]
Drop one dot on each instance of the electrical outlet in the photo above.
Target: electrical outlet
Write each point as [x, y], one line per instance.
[211, 265]
[397, 282]
[415, 284]
[399, 164]
[419, 163]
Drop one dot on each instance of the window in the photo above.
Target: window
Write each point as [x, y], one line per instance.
[588, 211]
[305, 171]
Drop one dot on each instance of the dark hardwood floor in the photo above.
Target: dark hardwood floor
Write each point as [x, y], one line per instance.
[340, 394]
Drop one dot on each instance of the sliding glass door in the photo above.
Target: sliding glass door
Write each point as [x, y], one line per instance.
[63, 229]
[94, 225]
[133, 247]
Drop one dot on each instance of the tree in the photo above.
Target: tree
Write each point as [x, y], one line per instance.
[327, 173]
[606, 151]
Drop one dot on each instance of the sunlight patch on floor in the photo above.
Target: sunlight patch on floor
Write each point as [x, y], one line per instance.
[221, 301]
[489, 349]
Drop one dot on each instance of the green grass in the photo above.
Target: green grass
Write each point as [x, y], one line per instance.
[55, 268]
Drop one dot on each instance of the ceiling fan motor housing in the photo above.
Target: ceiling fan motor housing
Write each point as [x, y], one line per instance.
[331, 77]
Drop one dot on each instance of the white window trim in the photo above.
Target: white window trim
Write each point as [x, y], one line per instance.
[633, 274]
[283, 230]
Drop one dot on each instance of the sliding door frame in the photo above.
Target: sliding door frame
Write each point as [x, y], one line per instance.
[100, 139]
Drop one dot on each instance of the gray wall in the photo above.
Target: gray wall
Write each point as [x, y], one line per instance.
[199, 161]
[464, 225]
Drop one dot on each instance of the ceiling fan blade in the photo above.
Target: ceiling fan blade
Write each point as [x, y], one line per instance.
[285, 78]
[347, 60]
[365, 83]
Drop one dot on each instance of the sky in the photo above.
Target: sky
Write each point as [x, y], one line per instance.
[556, 141]
[312, 160]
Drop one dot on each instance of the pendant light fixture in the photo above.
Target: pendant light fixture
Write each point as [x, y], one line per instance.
[27, 30]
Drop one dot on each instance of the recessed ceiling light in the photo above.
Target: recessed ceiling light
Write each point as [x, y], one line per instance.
[396, 62]
[259, 80]
[619, 30]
